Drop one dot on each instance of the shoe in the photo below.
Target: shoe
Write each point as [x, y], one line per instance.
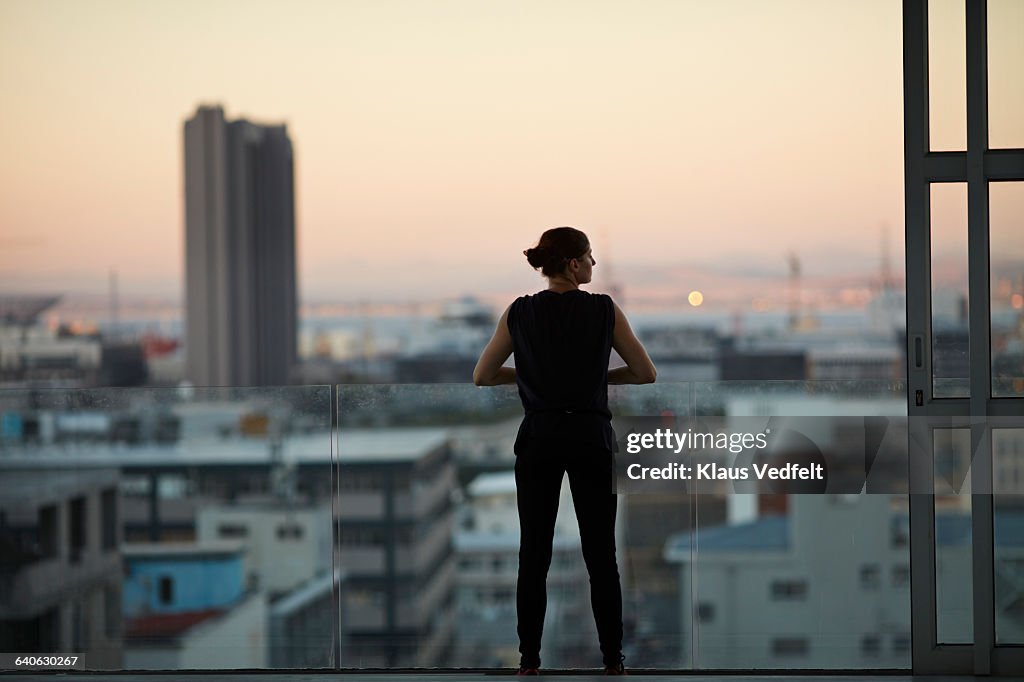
[616, 668]
[528, 671]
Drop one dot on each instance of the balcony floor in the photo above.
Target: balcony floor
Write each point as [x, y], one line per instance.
[453, 676]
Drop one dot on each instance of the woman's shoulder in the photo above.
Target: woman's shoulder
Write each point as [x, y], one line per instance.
[548, 295]
[515, 309]
[604, 300]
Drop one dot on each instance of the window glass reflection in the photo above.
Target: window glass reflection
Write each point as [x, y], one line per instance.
[1006, 244]
[1005, 66]
[947, 75]
[950, 340]
[953, 536]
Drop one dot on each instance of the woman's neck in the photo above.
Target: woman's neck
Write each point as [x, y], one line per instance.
[561, 284]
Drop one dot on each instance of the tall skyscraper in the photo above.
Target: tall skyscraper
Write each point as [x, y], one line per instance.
[240, 293]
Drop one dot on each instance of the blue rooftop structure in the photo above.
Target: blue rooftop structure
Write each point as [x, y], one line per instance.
[768, 533]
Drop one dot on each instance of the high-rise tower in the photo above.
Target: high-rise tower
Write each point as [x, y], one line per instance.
[240, 292]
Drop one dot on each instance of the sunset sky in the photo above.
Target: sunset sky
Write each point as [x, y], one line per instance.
[435, 140]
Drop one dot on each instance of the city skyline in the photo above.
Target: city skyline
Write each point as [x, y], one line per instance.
[433, 143]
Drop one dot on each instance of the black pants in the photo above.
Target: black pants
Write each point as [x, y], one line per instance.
[539, 472]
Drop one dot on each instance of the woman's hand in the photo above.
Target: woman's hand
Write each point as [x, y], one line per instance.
[489, 370]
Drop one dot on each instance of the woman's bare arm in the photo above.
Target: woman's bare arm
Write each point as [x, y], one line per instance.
[489, 370]
[639, 369]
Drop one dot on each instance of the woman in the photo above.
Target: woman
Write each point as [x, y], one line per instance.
[562, 339]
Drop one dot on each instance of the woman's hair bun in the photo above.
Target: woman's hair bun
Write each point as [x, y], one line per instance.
[536, 256]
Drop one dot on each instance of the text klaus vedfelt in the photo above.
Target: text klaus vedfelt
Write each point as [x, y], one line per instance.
[666, 439]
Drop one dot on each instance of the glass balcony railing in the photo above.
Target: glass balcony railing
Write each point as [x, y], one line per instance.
[376, 526]
[168, 528]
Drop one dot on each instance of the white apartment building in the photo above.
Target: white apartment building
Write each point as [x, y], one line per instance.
[826, 585]
[286, 545]
[394, 525]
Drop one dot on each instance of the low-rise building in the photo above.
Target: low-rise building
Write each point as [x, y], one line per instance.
[286, 544]
[303, 626]
[60, 568]
[186, 607]
[785, 591]
[394, 529]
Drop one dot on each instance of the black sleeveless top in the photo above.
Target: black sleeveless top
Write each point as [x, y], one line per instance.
[561, 344]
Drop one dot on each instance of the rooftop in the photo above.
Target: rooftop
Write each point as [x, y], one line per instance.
[498, 483]
[354, 446]
[152, 550]
[24, 309]
[165, 625]
[771, 533]
[473, 541]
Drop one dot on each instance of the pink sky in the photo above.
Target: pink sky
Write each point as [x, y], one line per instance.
[435, 140]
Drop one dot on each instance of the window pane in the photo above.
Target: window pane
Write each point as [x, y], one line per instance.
[947, 75]
[950, 358]
[435, 585]
[1005, 73]
[953, 566]
[1008, 475]
[1006, 234]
